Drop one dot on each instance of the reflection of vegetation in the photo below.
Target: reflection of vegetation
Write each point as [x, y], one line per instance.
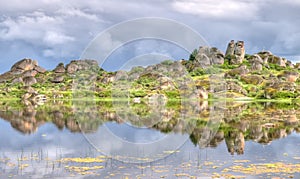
[260, 122]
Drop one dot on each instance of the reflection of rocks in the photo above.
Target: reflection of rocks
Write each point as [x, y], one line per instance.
[58, 119]
[235, 143]
[33, 98]
[234, 122]
[157, 99]
[23, 121]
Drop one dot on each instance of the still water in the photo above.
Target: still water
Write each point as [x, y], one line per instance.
[112, 139]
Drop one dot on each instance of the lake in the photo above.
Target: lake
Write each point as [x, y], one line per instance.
[174, 139]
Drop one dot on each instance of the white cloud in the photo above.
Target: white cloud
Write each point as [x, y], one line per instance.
[74, 12]
[54, 38]
[233, 9]
[31, 27]
[62, 30]
[49, 53]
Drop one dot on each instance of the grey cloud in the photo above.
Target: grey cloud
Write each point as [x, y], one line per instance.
[61, 30]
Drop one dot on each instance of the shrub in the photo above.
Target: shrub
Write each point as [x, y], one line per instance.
[172, 94]
[283, 95]
[167, 62]
[198, 72]
[193, 55]
[138, 93]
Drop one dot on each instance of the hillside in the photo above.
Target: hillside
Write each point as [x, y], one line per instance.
[208, 73]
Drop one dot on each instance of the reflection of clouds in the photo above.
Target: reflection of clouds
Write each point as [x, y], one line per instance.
[73, 145]
[110, 144]
[47, 137]
[134, 134]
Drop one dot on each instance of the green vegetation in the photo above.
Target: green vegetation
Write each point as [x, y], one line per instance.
[193, 55]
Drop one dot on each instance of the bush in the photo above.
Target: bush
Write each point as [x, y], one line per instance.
[212, 70]
[138, 93]
[283, 95]
[276, 67]
[226, 65]
[167, 62]
[193, 55]
[172, 94]
[197, 72]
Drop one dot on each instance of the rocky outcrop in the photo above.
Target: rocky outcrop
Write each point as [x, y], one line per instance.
[21, 70]
[252, 79]
[230, 48]
[241, 70]
[24, 65]
[268, 57]
[207, 56]
[60, 68]
[290, 76]
[235, 52]
[78, 65]
[29, 80]
[57, 79]
[261, 75]
[256, 62]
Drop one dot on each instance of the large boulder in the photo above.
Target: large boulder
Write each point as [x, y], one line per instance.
[256, 62]
[252, 79]
[40, 69]
[60, 68]
[234, 87]
[290, 64]
[17, 80]
[25, 64]
[241, 70]
[29, 73]
[57, 79]
[290, 76]
[256, 66]
[208, 56]
[276, 60]
[29, 80]
[203, 60]
[230, 48]
[78, 65]
[236, 52]
[217, 57]
[72, 68]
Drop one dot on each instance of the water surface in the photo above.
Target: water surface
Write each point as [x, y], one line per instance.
[87, 139]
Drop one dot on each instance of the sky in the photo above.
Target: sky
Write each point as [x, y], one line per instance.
[53, 31]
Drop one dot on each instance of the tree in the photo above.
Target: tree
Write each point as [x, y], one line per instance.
[193, 55]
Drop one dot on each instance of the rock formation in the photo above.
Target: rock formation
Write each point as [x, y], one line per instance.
[236, 52]
[234, 75]
[207, 56]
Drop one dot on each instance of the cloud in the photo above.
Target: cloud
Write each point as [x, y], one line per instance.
[61, 30]
[54, 38]
[232, 9]
[73, 12]
[29, 27]
[62, 33]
